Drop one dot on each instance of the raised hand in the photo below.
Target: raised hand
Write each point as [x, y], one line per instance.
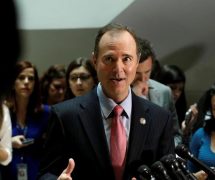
[66, 174]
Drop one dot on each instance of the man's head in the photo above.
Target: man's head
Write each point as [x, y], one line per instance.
[147, 59]
[116, 56]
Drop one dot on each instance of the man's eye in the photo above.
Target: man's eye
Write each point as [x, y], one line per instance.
[127, 60]
[108, 60]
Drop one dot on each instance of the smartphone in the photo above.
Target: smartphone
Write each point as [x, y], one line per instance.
[28, 141]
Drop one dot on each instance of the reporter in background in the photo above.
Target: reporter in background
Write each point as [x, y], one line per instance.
[53, 84]
[197, 114]
[81, 77]
[29, 120]
[174, 77]
[152, 90]
[202, 144]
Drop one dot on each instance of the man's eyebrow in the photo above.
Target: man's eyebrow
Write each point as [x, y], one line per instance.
[128, 55]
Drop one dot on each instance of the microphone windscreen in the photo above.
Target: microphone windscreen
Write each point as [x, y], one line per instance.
[182, 151]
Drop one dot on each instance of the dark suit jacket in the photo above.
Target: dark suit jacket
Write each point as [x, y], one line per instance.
[77, 131]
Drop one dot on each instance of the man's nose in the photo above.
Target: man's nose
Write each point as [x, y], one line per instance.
[118, 66]
[144, 78]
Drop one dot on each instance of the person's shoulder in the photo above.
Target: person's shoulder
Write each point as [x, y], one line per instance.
[161, 88]
[76, 101]
[156, 84]
[145, 104]
[200, 132]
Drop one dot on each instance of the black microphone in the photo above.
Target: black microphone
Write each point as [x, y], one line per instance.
[182, 151]
[188, 116]
[160, 171]
[144, 173]
[172, 168]
[183, 167]
[178, 170]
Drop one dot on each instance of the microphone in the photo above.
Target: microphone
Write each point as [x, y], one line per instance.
[182, 151]
[144, 173]
[175, 163]
[160, 171]
[183, 167]
[173, 167]
[188, 116]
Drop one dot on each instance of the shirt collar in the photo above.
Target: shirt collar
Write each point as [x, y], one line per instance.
[108, 104]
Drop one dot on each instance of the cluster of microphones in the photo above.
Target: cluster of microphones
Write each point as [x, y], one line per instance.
[172, 167]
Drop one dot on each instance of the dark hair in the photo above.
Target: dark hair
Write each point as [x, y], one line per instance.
[204, 105]
[34, 101]
[171, 74]
[56, 71]
[210, 125]
[114, 27]
[146, 50]
[76, 63]
[156, 70]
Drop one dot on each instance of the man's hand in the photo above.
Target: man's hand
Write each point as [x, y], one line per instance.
[200, 175]
[140, 88]
[66, 174]
[187, 127]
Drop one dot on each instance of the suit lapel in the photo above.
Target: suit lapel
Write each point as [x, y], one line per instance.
[140, 122]
[90, 115]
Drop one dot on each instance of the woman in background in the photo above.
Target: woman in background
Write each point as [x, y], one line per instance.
[174, 77]
[81, 77]
[202, 144]
[29, 121]
[53, 85]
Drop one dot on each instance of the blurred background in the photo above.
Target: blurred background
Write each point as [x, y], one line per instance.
[181, 32]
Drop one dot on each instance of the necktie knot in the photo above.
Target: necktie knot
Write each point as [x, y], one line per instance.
[117, 110]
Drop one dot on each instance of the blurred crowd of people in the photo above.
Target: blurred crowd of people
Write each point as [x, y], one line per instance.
[26, 110]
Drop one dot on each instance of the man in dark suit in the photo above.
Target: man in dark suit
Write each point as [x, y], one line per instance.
[81, 128]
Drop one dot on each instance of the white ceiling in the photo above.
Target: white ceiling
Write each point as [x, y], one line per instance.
[68, 14]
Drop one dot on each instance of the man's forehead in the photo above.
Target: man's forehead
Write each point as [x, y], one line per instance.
[123, 38]
[115, 35]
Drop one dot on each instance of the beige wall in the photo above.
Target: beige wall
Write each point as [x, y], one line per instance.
[182, 33]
